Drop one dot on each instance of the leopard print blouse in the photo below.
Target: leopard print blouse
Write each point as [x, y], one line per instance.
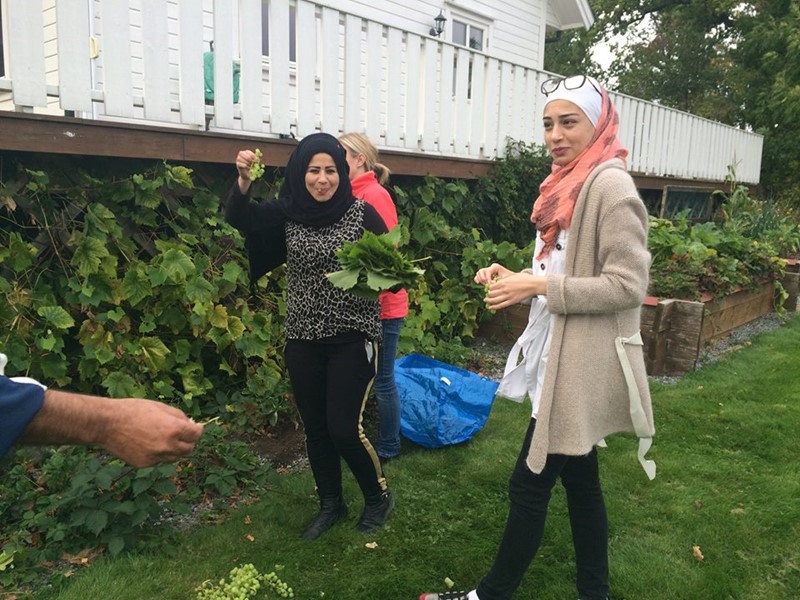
[316, 308]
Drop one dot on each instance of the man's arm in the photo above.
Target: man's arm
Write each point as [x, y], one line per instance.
[140, 432]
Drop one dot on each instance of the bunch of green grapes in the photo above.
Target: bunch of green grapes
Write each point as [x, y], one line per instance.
[272, 580]
[257, 168]
[243, 585]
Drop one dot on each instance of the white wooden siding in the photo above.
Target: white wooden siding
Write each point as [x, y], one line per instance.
[406, 90]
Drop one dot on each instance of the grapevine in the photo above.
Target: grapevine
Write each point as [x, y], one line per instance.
[244, 584]
[257, 168]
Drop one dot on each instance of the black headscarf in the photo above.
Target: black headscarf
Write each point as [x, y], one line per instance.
[267, 248]
[298, 203]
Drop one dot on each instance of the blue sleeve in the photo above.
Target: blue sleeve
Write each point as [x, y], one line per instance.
[19, 403]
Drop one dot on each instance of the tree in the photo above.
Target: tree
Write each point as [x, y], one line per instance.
[730, 61]
[767, 61]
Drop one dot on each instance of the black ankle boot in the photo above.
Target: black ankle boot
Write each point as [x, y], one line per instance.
[376, 511]
[331, 510]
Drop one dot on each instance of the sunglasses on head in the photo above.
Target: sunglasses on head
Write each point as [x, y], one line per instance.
[569, 83]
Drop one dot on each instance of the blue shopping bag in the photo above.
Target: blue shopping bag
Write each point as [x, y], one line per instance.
[441, 404]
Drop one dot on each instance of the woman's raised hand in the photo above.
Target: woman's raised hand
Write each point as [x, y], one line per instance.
[245, 160]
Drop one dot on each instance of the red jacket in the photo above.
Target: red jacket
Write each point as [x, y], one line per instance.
[366, 187]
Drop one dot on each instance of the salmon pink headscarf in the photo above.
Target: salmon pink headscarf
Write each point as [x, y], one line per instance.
[552, 211]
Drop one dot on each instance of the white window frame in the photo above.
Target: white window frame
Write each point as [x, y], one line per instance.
[472, 19]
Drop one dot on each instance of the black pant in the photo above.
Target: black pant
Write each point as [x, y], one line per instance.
[331, 383]
[530, 494]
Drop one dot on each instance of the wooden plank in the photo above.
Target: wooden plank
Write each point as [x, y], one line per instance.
[735, 310]
[459, 103]
[224, 24]
[278, 67]
[26, 53]
[251, 95]
[477, 106]
[307, 118]
[192, 95]
[157, 104]
[394, 124]
[329, 76]
[74, 63]
[115, 56]
[352, 74]
[492, 109]
[662, 324]
[429, 82]
[413, 86]
[505, 119]
[517, 103]
[374, 83]
[791, 283]
[66, 135]
[683, 341]
[664, 312]
[446, 124]
[528, 118]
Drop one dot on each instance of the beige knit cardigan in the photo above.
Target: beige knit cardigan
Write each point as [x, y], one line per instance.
[595, 301]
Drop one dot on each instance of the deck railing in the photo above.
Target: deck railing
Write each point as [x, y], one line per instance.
[143, 61]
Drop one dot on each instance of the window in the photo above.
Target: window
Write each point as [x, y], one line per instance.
[468, 35]
[292, 31]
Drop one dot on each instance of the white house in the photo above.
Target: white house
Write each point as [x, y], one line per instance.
[286, 68]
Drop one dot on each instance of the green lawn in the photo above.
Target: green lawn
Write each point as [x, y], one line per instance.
[727, 447]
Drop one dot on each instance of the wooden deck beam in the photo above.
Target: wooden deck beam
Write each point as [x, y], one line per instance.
[67, 135]
[28, 132]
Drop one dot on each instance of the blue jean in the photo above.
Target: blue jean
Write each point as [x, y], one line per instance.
[386, 390]
[530, 494]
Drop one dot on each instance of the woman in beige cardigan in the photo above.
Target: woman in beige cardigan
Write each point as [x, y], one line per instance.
[580, 359]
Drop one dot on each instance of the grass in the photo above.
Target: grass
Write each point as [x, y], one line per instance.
[727, 449]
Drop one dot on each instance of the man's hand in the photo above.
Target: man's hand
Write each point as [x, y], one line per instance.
[144, 432]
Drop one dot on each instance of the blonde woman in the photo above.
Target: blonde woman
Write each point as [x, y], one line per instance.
[367, 177]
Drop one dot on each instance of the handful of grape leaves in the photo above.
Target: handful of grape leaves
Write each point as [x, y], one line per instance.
[374, 264]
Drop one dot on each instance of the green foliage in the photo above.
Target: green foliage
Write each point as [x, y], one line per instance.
[768, 73]
[742, 250]
[128, 283]
[503, 200]
[374, 264]
[68, 499]
[446, 306]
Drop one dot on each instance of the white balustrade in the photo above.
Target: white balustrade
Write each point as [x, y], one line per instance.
[142, 61]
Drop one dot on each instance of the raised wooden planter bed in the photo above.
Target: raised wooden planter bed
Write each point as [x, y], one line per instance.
[674, 330]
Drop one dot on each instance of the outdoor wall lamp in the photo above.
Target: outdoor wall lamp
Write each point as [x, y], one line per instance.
[438, 24]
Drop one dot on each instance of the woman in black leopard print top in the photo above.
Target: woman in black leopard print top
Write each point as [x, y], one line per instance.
[332, 336]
